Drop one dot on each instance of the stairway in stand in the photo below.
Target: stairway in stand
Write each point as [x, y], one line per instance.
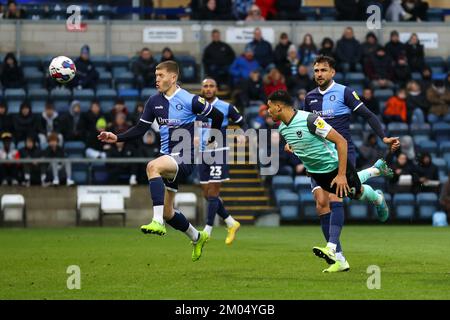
[244, 195]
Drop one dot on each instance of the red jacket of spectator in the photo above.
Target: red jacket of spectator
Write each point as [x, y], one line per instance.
[274, 81]
[396, 107]
[267, 7]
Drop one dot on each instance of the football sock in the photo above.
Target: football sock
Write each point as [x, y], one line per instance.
[336, 224]
[179, 222]
[208, 229]
[325, 224]
[340, 256]
[157, 193]
[221, 211]
[370, 195]
[213, 206]
[368, 173]
[230, 221]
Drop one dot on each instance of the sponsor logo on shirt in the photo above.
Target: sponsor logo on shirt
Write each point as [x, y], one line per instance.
[319, 123]
[313, 101]
[159, 107]
[168, 122]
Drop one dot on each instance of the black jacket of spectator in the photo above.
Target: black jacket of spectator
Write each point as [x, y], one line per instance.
[348, 50]
[289, 10]
[372, 104]
[418, 11]
[368, 48]
[24, 126]
[414, 102]
[6, 121]
[379, 67]
[395, 49]
[416, 57]
[33, 153]
[280, 54]
[300, 82]
[252, 91]
[217, 58]
[145, 69]
[12, 74]
[88, 127]
[70, 125]
[87, 75]
[58, 152]
[263, 52]
[402, 73]
[347, 10]
[369, 152]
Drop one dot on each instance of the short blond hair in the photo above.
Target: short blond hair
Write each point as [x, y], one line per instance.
[170, 66]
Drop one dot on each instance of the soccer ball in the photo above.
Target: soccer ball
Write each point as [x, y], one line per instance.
[62, 69]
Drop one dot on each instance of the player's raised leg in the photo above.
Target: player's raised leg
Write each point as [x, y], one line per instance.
[379, 169]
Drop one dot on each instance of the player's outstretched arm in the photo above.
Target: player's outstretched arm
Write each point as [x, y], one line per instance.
[107, 137]
[134, 132]
[342, 187]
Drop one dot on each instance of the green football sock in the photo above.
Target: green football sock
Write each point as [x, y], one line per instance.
[370, 195]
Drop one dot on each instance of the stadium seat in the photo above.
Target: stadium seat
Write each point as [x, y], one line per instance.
[38, 94]
[14, 95]
[38, 106]
[30, 61]
[357, 210]
[377, 183]
[188, 69]
[282, 182]
[435, 14]
[13, 209]
[129, 94]
[339, 77]
[404, 204]
[444, 147]
[440, 219]
[441, 131]
[427, 203]
[148, 92]
[112, 204]
[99, 173]
[302, 183]
[88, 208]
[398, 129]
[14, 106]
[288, 203]
[416, 76]
[100, 62]
[427, 146]
[440, 163]
[34, 77]
[420, 129]
[116, 71]
[83, 95]
[353, 78]
[383, 94]
[124, 80]
[74, 146]
[61, 94]
[106, 98]
[105, 80]
[356, 129]
[307, 205]
[80, 173]
[186, 202]
[119, 61]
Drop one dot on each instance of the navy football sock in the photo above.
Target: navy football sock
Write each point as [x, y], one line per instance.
[179, 222]
[336, 223]
[325, 224]
[157, 189]
[222, 212]
[213, 207]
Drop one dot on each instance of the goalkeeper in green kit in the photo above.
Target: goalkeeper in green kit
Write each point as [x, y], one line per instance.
[323, 152]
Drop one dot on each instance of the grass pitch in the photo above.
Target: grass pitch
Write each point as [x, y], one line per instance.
[263, 263]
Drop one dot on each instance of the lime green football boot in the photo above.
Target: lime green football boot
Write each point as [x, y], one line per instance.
[385, 171]
[325, 253]
[382, 209]
[198, 246]
[154, 228]
[339, 266]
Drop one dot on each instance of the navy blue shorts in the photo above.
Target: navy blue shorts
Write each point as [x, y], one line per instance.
[183, 172]
[217, 171]
[351, 157]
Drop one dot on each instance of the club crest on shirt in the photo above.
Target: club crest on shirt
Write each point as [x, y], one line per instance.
[356, 95]
[299, 134]
[179, 107]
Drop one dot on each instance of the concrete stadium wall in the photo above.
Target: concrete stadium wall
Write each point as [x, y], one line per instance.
[126, 37]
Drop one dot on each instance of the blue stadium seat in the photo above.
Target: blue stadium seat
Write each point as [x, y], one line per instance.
[99, 173]
[148, 92]
[38, 94]
[282, 182]
[14, 106]
[427, 146]
[435, 14]
[14, 94]
[84, 95]
[441, 131]
[124, 80]
[339, 77]
[357, 210]
[80, 173]
[404, 204]
[416, 76]
[105, 80]
[61, 94]
[419, 138]
[437, 72]
[251, 111]
[302, 183]
[427, 203]
[62, 106]
[75, 146]
[129, 94]
[106, 94]
[356, 129]
[444, 147]
[420, 128]
[100, 62]
[383, 94]
[308, 205]
[353, 78]
[288, 203]
[398, 129]
[440, 163]
[377, 183]
[117, 71]
[119, 61]
[38, 106]
[30, 61]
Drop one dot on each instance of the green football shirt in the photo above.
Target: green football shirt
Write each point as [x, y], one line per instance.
[306, 133]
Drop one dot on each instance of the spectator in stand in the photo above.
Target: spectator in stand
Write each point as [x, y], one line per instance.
[379, 70]
[136, 116]
[25, 123]
[307, 50]
[86, 76]
[263, 121]
[8, 171]
[262, 49]
[447, 81]
[395, 12]
[88, 127]
[209, 11]
[417, 9]
[439, 98]
[396, 110]
[149, 148]
[14, 12]
[31, 171]
[252, 90]
[370, 101]
[347, 10]
[394, 48]
[217, 58]
[299, 101]
[290, 68]
[427, 174]
[119, 124]
[254, 14]
[119, 107]
[348, 51]
[11, 73]
[241, 8]
[167, 54]
[143, 68]
[301, 80]
[415, 54]
[281, 51]
[327, 48]
[369, 152]
[50, 122]
[416, 103]
[289, 10]
[402, 71]
[70, 122]
[56, 172]
[5, 118]
[274, 81]
[268, 9]
[122, 172]
[427, 78]
[242, 66]
[369, 47]
[95, 148]
[2, 11]
[403, 170]
[444, 198]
